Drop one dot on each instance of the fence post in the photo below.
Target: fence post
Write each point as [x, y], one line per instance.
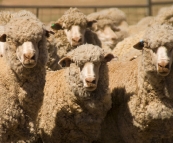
[37, 12]
[149, 3]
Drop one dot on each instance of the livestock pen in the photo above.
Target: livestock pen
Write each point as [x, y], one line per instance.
[135, 12]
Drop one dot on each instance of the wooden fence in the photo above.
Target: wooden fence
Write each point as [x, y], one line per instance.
[133, 12]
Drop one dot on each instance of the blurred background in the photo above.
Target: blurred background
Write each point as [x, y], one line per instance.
[51, 10]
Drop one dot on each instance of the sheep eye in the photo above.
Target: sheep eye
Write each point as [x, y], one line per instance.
[155, 50]
[170, 50]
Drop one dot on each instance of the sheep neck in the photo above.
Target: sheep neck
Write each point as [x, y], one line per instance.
[29, 83]
[151, 85]
[90, 101]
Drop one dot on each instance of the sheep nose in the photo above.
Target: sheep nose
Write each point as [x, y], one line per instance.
[163, 64]
[114, 38]
[77, 39]
[91, 80]
[30, 56]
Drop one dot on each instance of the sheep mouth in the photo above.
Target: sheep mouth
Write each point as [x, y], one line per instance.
[164, 73]
[91, 87]
[29, 65]
[75, 44]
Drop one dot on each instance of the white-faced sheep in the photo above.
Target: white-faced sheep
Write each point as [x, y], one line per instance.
[22, 78]
[77, 98]
[111, 26]
[5, 17]
[142, 93]
[69, 32]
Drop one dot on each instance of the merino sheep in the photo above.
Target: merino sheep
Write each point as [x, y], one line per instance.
[111, 26]
[142, 92]
[140, 26]
[77, 98]
[22, 78]
[124, 50]
[5, 16]
[69, 32]
[164, 15]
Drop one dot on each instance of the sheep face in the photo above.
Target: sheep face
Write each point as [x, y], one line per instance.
[162, 58]
[106, 35]
[75, 35]
[28, 53]
[88, 70]
[89, 75]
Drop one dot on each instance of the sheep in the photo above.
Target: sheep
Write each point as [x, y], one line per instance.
[142, 107]
[164, 15]
[140, 26]
[22, 78]
[124, 50]
[111, 26]
[68, 33]
[5, 16]
[76, 98]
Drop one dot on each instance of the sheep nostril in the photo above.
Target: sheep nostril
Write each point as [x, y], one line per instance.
[94, 81]
[163, 65]
[80, 40]
[167, 66]
[114, 38]
[33, 57]
[90, 80]
[77, 39]
[29, 56]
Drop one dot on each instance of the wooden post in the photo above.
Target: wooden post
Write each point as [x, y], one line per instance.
[149, 12]
[37, 12]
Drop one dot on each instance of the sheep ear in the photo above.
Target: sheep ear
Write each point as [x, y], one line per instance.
[3, 38]
[90, 23]
[65, 62]
[109, 57]
[56, 26]
[139, 45]
[48, 33]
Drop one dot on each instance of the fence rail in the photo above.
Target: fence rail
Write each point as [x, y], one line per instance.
[148, 7]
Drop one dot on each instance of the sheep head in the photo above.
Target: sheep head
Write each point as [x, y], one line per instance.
[105, 30]
[74, 23]
[23, 42]
[27, 52]
[75, 33]
[88, 69]
[159, 41]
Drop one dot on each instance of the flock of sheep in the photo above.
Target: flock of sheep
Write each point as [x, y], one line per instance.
[86, 78]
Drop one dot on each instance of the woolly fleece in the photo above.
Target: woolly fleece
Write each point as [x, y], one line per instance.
[142, 110]
[70, 114]
[73, 16]
[21, 89]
